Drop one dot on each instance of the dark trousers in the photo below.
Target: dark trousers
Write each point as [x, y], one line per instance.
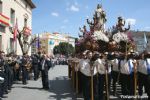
[80, 82]
[144, 81]
[45, 79]
[101, 83]
[86, 87]
[69, 71]
[127, 84]
[36, 71]
[2, 88]
[148, 86]
[17, 74]
[24, 75]
[115, 79]
[10, 77]
[141, 83]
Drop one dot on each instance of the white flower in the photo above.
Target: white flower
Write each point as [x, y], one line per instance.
[120, 37]
[98, 35]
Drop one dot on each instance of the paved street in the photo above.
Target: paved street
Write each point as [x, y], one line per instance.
[59, 88]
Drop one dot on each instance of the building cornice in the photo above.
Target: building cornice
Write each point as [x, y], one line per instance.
[31, 3]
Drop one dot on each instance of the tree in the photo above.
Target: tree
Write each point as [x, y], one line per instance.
[25, 40]
[64, 48]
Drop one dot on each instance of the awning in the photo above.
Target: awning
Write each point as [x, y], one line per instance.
[4, 20]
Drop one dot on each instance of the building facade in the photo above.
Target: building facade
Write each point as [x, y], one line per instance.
[49, 40]
[14, 13]
[140, 41]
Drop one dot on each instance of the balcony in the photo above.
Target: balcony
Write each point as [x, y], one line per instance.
[4, 20]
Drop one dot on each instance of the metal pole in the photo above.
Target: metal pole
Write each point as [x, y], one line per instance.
[135, 81]
[106, 79]
[76, 78]
[92, 92]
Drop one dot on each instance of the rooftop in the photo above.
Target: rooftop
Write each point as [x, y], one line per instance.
[31, 3]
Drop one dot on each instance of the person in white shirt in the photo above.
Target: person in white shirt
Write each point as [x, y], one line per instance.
[115, 71]
[102, 67]
[144, 74]
[86, 71]
[127, 75]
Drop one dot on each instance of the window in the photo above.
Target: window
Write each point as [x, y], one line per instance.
[11, 45]
[25, 22]
[0, 6]
[2, 28]
[12, 16]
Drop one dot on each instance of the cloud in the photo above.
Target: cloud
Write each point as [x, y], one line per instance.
[86, 7]
[76, 3]
[55, 14]
[74, 8]
[66, 21]
[87, 17]
[131, 21]
[147, 28]
[62, 27]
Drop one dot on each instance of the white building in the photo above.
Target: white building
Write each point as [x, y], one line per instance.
[49, 40]
[10, 11]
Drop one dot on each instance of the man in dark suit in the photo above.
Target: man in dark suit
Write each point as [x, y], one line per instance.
[2, 74]
[35, 61]
[24, 68]
[45, 65]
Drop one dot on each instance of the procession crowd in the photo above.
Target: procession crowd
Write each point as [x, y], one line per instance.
[93, 73]
[14, 68]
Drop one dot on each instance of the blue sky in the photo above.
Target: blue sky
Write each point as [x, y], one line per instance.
[66, 16]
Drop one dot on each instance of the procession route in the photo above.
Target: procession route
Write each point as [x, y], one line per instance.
[60, 87]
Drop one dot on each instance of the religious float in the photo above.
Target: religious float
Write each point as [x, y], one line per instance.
[101, 40]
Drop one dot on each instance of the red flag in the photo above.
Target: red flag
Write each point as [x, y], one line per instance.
[15, 30]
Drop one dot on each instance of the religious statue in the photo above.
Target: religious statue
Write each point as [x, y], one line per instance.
[84, 30]
[92, 24]
[120, 25]
[100, 17]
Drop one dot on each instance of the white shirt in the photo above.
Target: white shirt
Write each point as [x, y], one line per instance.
[126, 66]
[143, 66]
[1, 79]
[43, 63]
[85, 67]
[100, 64]
[115, 63]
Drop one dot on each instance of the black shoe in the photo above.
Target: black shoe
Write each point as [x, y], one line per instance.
[9, 88]
[24, 83]
[46, 88]
[4, 97]
[6, 92]
[114, 94]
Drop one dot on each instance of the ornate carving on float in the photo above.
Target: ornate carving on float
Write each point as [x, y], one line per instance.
[100, 39]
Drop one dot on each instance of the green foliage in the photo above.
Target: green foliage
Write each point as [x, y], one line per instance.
[64, 48]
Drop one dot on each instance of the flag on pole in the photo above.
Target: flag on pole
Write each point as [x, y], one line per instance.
[15, 30]
[38, 42]
[145, 41]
